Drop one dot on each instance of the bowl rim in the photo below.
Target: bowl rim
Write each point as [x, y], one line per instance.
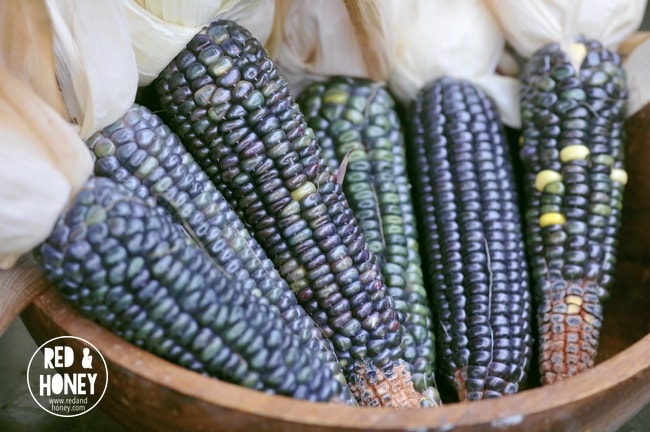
[616, 371]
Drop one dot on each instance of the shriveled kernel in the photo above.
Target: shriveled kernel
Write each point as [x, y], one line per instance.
[589, 318]
[574, 152]
[573, 299]
[554, 218]
[545, 177]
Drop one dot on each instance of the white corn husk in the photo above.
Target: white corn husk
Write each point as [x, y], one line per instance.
[312, 40]
[95, 64]
[160, 29]
[43, 163]
[459, 39]
[530, 24]
[636, 66]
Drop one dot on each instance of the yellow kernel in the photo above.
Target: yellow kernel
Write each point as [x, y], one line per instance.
[303, 191]
[573, 309]
[545, 177]
[552, 218]
[335, 96]
[521, 140]
[619, 175]
[589, 319]
[574, 152]
[577, 52]
[573, 299]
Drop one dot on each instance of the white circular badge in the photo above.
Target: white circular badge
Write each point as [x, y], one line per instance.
[67, 376]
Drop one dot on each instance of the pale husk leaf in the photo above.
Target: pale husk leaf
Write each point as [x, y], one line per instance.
[637, 65]
[43, 164]
[26, 48]
[530, 24]
[253, 14]
[371, 24]
[313, 40]
[33, 194]
[96, 66]
[459, 39]
[160, 29]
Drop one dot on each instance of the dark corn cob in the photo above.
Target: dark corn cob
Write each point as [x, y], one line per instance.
[360, 134]
[472, 239]
[231, 109]
[126, 264]
[142, 153]
[572, 152]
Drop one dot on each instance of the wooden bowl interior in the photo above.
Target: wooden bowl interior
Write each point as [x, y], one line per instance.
[148, 393]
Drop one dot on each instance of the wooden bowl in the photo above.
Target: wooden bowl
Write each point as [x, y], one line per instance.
[148, 393]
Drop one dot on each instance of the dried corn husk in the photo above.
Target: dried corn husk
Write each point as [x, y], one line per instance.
[26, 48]
[637, 65]
[530, 24]
[43, 163]
[66, 69]
[312, 40]
[460, 39]
[160, 29]
[95, 65]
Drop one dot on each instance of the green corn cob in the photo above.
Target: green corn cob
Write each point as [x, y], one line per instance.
[356, 125]
[142, 153]
[224, 98]
[572, 152]
[472, 239]
[126, 264]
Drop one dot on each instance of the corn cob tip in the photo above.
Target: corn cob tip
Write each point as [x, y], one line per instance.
[571, 323]
[573, 154]
[389, 387]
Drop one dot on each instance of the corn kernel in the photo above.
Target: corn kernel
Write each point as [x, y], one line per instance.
[577, 52]
[574, 152]
[619, 175]
[335, 96]
[554, 188]
[574, 299]
[573, 309]
[589, 319]
[551, 219]
[303, 191]
[545, 177]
